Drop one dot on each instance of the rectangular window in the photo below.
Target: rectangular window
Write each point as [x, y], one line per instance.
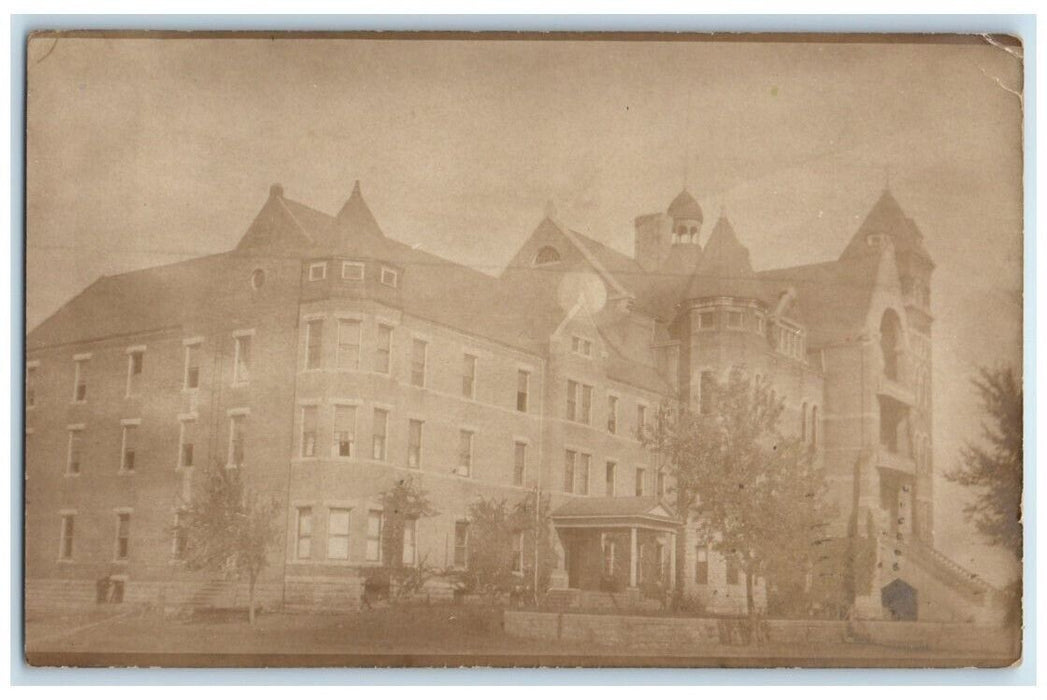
[414, 443]
[314, 343]
[242, 359]
[80, 381]
[374, 535]
[584, 467]
[610, 477]
[701, 564]
[641, 421]
[518, 549]
[705, 395]
[338, 533]
[348, 344]
[309, 420]
[734, 319]
[579, 402]
[608, 557]
[123, 535]
[76, 448]
[707, 320]
[418, 351]
[582, 346]
[585, 415]
[304, 545]
[732, 572]
[469, 376]
[237, 424]
[519, 463]
[389, 277]
[30, 387]
[570, 456]
[523, 379]
[135, 362]
[612, 414]
[65, 545]
[344, 430]
[381, 353]
[191, 379]
[186, 439]
[181, 536]
[317, 271]
[378, 432]
[465, 452]
[660, 484]
[129, 443]
[410, 542]
[461, 544]
[641, 477]
[353, 271]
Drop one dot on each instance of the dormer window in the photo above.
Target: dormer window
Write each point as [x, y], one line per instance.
[875, 240]
[582, 346]
[707, 320]
[389, 277]
[546, 256]
[734, 319]
[353, 271]
[317, 271]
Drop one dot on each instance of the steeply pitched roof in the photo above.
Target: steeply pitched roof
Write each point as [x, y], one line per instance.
[834, 296]
[152, 299]
[887, 218]
[685, 206]
[724, 269]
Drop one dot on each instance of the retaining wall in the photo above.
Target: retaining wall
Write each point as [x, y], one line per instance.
[676, 633]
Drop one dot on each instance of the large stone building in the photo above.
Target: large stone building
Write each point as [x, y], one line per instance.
[328, 360]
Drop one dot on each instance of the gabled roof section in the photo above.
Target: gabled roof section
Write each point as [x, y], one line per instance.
[152, 299]
[888, 219]
[835, 296]
[616, 506]
[275, 226]
[724, 268]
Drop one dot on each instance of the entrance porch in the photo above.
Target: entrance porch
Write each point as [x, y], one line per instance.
[616, 545]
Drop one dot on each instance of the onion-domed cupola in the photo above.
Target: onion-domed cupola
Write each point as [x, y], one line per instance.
[687, 219]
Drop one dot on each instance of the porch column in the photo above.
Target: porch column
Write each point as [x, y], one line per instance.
[633, 556]
[672, 560]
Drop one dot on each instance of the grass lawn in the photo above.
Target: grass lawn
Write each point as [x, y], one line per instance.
[408, 635]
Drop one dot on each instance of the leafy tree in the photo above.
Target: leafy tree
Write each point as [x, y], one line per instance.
[495, 532]
[404, 502]
[993, 469]
[756, 495]
[228, 527]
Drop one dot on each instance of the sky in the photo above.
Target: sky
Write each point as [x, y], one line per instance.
[144, 152]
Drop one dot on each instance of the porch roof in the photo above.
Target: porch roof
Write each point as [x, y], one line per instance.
[614, 511]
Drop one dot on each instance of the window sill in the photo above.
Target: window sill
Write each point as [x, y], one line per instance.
[65, 561]
[126, 472]
[240, 384]
[184, 468]
[190, 390]
[72, 475]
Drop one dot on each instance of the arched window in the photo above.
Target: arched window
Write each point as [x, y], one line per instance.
[890, 343]
[547, 255]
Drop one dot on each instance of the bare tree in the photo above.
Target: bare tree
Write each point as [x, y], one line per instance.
[228, 527]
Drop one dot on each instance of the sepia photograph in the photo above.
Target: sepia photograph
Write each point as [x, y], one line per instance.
[523, 350]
